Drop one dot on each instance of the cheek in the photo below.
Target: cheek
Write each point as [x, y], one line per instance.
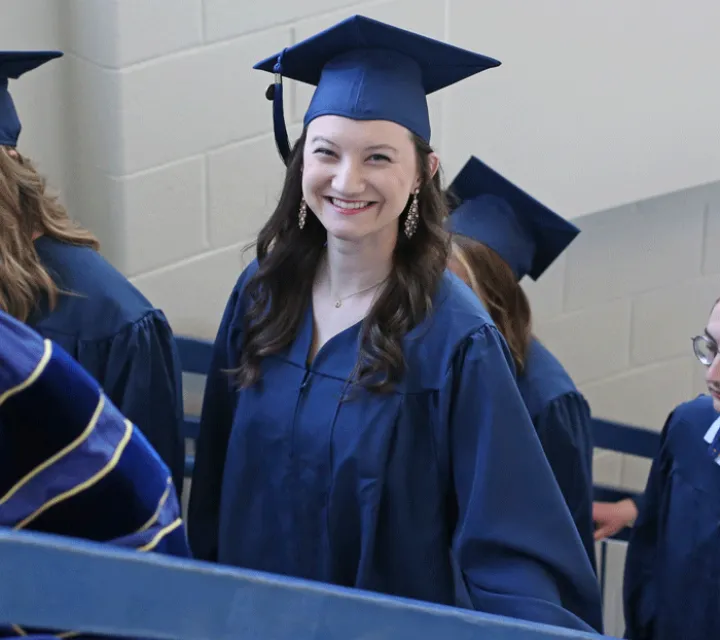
[713, 371]
[395, 189]
[314, 179]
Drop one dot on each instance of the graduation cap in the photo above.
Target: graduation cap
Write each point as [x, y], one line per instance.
[13, 64]
[368, 70]
[522, 231]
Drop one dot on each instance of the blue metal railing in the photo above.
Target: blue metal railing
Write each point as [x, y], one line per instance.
[57, 583]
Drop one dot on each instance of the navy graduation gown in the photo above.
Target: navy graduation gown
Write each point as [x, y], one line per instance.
[377, 492]
[672, 570]
[105, 323]
[561, 416]
[70, 463]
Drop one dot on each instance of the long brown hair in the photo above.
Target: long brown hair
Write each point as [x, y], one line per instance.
[288, 257]
[27, 209]
[495, 284]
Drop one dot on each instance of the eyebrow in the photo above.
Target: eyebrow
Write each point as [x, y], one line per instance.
[710, 337]
[321, 139]
[375, 147]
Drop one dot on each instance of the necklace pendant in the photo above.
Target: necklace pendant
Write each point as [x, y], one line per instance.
[338, 304]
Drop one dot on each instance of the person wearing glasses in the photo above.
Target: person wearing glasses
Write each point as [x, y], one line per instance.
[672, 571]
[612, 517]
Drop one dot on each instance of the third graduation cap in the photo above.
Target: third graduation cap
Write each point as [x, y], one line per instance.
[368, 70]
[13, 64]
[522, 231]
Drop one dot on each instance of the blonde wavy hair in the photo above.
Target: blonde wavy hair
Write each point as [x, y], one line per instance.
[26, 212]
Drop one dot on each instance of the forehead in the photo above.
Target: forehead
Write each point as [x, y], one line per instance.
[365, 133]
[713, 325]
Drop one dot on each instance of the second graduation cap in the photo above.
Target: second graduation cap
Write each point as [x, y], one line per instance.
[369, 70]
[493, 211]
[13, 64]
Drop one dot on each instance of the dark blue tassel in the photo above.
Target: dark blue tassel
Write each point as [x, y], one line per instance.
[281, 135]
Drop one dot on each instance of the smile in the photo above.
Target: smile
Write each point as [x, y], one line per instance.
[350, 206]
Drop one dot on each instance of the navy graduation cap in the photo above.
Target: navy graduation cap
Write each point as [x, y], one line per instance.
[522, 231]
[13, 64]
[368, 70]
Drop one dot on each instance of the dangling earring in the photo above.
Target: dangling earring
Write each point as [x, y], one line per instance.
[302, 215]
[411, 221]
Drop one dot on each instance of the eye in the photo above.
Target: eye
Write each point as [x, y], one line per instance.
[322, 151]
[379, 157]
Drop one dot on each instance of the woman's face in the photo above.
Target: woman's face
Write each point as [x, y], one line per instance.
[358, 175]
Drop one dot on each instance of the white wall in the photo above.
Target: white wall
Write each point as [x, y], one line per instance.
[597, 104]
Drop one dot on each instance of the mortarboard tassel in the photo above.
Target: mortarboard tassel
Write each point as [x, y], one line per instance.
[275, 93]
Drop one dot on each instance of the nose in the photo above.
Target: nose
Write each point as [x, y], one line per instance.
[713, 371]
[348, 179]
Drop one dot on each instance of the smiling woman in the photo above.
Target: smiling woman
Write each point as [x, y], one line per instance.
[353, 167]
[360, 413]
[339, 218]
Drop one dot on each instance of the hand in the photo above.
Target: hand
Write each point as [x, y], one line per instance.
[611, 517]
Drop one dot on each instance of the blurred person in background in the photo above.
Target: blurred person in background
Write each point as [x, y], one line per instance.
[500, 234]
[53, 278]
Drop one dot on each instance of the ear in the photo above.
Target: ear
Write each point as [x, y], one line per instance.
[434, 163]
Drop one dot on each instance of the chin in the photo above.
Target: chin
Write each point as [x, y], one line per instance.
[345, 227]
[716, 403]
[348, 233]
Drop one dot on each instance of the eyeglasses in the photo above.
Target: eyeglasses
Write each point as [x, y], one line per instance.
[706, 349]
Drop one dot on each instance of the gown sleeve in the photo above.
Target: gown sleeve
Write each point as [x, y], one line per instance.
[212, 442]
[638, 584]
[143, 378]
[566, 437]
[514, 542]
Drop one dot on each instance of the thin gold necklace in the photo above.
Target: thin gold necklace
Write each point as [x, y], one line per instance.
[339, 301]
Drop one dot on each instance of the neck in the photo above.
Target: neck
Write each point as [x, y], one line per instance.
[355, 265]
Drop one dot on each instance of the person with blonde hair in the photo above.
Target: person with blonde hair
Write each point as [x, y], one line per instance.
[500, 234]
[53, 278]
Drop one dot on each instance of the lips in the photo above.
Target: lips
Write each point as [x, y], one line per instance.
[349, 207]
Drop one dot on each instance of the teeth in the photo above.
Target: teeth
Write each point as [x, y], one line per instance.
[349, 205]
